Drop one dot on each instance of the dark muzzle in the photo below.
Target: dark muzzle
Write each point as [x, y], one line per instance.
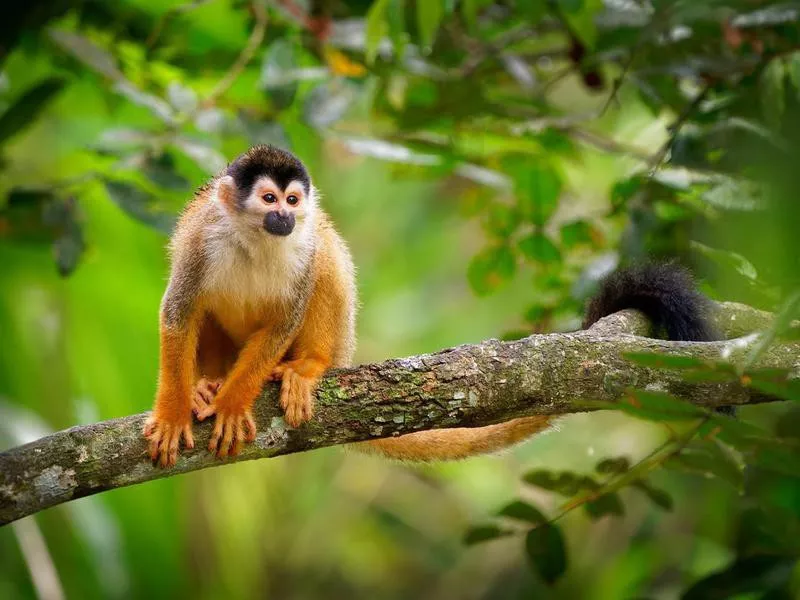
[279, 222]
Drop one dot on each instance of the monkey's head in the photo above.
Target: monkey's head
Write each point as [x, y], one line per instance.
[269, 189]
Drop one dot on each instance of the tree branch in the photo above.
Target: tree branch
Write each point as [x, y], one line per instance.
[467, 386]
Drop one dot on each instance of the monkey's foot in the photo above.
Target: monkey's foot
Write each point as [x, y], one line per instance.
[164, 436]
[204, 393]
[233, 426]
[297, 398]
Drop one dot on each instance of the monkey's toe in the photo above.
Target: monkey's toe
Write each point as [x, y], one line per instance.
[296, 398]
[230, 432]
[164, 439]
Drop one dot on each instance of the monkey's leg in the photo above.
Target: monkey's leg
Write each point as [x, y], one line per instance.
[312, 352]
[234, 401]
[216, 354]
[172, 413]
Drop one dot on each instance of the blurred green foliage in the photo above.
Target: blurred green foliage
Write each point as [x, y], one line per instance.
[488, 163]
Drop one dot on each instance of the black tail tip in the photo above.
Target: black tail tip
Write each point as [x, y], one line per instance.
[665, 292]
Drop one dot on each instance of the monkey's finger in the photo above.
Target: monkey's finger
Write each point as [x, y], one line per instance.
[215, 384]
[188, 438]
[239, 438]
[214, 441]
[285, 390]
[251, 427]
[227, 437]
[174, 443]
[206, 411]
[155, 439]
[149, 427]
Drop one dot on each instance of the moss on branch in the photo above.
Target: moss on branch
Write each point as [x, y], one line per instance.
[466, 386]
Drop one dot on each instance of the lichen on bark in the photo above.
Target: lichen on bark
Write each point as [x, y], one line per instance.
[466, 386]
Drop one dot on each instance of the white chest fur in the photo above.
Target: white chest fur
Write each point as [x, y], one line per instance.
[254, 267]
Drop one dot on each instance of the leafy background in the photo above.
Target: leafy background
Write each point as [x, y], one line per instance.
[488, 162]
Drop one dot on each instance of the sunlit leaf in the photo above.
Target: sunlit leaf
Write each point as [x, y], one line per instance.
[547, 551]
[490, 268]
[429, 16]
[539, 248]
[377, 27]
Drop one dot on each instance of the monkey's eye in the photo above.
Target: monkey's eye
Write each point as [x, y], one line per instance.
[293, 200]
[270, 198]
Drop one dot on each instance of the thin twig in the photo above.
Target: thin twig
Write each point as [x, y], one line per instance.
[675, 127]
[253, 43]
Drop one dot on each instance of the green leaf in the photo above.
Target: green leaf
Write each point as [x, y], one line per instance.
[613, 466]
[140, 205]
[744, 576]
[28, 106]
[607, 504]
[658, 406]
[577, 233]
[657, 496]
[502, 220]
[772, 88]
[788, 389]
[789, 311]
[564, 483]
[708, 457]
[664, 361]
[623, 191]
[484, 533]
[539, 248]
[490, 268]
[377, 28]
[730, 260]
[538, 189]
[523, 511]
[580, 14]
[280, 60]
[429, 16]
[471, 8]
[547, 552]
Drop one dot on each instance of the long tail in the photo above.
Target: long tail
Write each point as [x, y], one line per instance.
[665, 292]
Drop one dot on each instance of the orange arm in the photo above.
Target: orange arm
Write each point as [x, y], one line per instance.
[172, 412]
[234, 402]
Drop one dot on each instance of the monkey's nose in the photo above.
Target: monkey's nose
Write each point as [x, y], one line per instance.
[279, 222]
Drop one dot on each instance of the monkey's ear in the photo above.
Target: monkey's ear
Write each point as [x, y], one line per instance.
[226, 192]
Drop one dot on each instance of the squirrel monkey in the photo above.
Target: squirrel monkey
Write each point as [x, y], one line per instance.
[262, 287]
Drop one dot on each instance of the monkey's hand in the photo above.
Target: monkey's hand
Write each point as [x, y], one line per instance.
[164, 432]
[234, 424]
[204, 394]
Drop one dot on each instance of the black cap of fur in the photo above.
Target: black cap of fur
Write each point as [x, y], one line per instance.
[665, 292]
[281, 166]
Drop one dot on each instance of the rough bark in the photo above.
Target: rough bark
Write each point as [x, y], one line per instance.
[467, 386]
